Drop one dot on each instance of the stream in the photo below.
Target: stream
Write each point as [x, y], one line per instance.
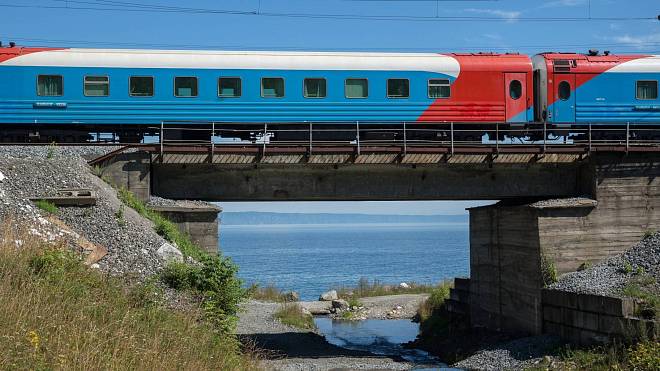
[382, 337]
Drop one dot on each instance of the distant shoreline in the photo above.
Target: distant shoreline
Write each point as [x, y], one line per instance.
[267, 218]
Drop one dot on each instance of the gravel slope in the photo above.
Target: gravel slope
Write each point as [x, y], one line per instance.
[30, 172]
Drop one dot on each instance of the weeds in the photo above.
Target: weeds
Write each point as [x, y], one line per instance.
[119, 215]
[55, 313]
[549, 273]
[266, 293]
[649, 301]
[52, 148]
[47, 206]
[366, 288]
[627, 267]
[643, 356]
[292, 314]
[434, 302]
[214, 278]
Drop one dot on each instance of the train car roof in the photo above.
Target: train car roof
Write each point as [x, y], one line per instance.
[586, 63]
[449, 64]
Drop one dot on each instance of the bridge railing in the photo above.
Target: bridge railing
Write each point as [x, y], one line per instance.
[404, 136]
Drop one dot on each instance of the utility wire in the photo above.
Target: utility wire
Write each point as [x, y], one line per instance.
[544, 47]
[117, 6]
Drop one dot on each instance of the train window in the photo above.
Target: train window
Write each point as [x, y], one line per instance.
[50, 86]
[439, 88]
[647, 90]
[229, 87]
[356, 88]
[564, 90]
[272, 87]
[141, 86]
[185, 87]
[315, 88]
[515, 89]
[96, 86]
[398, 88]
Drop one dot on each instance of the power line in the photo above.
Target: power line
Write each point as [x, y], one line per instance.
[538, 47]
[118, 6]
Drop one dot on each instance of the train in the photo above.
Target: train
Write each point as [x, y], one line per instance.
[65, 94]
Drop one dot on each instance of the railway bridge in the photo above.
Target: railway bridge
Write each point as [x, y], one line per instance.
[606, 197]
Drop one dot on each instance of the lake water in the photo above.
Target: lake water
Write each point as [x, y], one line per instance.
[311, 259]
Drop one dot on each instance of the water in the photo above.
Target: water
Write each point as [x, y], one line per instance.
[384, 337]
[311, 259]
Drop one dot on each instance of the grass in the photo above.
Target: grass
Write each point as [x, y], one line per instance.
[434, 302]
[266, 293]
[55, 313]
[46, 206]
[52, 148]
[292, 314]
[119, 215]
[366, 288]
[643, 356]
[549, 273]
[212, 278]
[642, 289]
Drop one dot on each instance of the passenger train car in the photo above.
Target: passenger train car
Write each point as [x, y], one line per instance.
[44, 92]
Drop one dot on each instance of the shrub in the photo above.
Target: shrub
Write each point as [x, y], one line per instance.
[46, 206]
[213, 278]
[434, 302]
[645, 356]
[548, 271]
[292, 314]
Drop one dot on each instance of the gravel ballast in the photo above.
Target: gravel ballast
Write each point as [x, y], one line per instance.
[610, 276]
[33, 172]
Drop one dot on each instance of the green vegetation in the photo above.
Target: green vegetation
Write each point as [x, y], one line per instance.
[55, 313]
[643, 356]
[649, 233]
[627, 267]
[212, 278]
[292, 314]
[584, 266]
[366, 288]
[119, 215]
[354, 302]
[434, 302]
[47, 206]
[266, 293]
[52, 147]
[642, 289]
[549, 273]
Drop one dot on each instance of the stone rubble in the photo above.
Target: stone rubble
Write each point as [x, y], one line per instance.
[39, 171]
[518, 354]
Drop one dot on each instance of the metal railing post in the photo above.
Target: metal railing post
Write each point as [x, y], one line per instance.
[212, 144]
[357, 127]
[451, 133]
[589, 138]
[497, 138]
[627, 136]
[162, 128]
[264, 138]
[405, 145]
[545, 136]
[311, 140]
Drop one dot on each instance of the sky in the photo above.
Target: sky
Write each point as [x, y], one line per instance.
[524, 26]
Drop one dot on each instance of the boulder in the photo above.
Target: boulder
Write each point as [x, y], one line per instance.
[340, 304]
[291, 296]
[168, 253]
[2, 177]
[404, 285]
[329, 296]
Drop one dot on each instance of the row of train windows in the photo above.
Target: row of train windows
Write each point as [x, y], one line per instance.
[644, 90]
[231, 87]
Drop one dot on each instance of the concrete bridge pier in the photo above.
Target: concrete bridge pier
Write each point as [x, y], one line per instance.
[512, 244]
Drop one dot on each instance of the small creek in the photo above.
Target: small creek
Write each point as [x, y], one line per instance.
[382, 337]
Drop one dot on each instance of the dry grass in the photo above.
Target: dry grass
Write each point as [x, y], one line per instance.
[55, 313]
[366, 288]
[266, 293]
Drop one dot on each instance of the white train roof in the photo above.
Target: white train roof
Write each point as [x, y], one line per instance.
[641, 65]
[129, 58]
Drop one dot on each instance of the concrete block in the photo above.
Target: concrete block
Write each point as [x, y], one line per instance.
[600, 304]
[611, 324]
[588, 337]
[552, 314]
[462, 284]
[552, 328]
[460, 295]
[559, 298]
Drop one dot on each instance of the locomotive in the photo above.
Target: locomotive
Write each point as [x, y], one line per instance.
[65, 94]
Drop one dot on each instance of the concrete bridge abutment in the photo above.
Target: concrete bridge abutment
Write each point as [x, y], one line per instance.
[513, 245]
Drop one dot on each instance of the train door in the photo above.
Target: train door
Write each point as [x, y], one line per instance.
[564, 97]
[515, 85]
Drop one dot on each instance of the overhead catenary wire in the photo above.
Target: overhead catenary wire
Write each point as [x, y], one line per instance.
[121, 6]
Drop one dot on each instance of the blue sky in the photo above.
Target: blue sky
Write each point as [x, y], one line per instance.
[371, 25]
